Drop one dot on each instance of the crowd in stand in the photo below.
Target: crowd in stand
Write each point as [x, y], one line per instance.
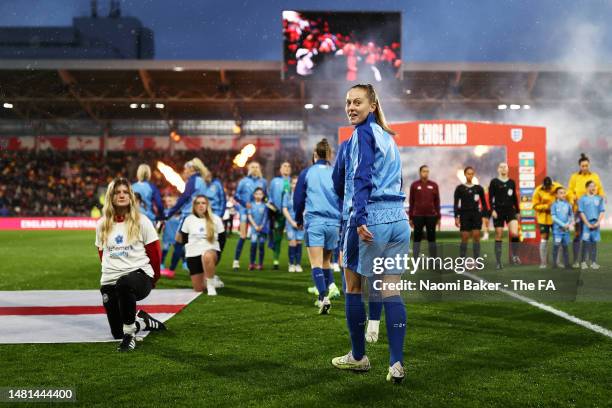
[69, 183]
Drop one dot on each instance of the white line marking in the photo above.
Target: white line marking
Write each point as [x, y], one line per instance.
[550, 309]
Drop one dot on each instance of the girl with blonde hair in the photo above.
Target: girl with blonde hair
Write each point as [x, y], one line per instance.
[200, 234]
[377, 227]
[194, 171]
[129, 250]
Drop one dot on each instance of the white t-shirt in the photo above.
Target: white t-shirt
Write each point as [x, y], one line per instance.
[120, 257]
[197, 243]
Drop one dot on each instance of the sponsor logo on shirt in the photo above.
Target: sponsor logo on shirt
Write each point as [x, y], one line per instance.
[119, 239]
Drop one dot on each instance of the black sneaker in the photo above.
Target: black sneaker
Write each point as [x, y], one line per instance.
[151, 324]
[127, 344]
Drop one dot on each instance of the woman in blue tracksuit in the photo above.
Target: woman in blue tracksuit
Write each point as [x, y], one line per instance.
[374, 296]
[314, 193]
[377, 227]
[194, 171]
[243, 198]
[149, 194]
[213, 190]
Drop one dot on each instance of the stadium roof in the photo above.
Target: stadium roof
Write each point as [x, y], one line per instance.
[103, 90]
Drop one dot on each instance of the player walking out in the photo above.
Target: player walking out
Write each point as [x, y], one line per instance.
[129, 250]
[214, 191]
[344, 170]
[504, 210]
[378, 227]
[314, 193]
[424, 211]
[194, 171]
[279, 188]
[149, 194]
[470, 206]
[243, 198]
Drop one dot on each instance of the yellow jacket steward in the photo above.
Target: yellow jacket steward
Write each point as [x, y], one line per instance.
[577, 187]
[542, 201]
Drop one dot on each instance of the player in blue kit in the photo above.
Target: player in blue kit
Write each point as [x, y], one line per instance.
[258, 220]
[377, 227]
[591, 209]
[343, 167]
[314, 194]
[193, 171]
[295, 235]
[214, 191]
[279, 188]
[243, 198]
[563, 217]
[149, 194]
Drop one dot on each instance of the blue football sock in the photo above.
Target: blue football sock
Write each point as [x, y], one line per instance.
[239, 249]
[262, 248]
[343, 280]
[585, 251]
[253, 253]
[329, 277]
[319, 280]
[555, 253]
[163, 258]
[177, 254]
[355, 321]
[298, 252]
[375, 302]
[291, 255]
[395, 317]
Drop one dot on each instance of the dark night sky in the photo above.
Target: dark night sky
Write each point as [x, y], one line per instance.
[433, 30]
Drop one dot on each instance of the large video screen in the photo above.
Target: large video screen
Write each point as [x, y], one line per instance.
[363, 46]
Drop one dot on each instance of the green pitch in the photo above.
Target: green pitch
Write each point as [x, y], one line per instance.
[261, 343]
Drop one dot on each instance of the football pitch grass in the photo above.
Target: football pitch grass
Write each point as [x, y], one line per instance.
[261, 343]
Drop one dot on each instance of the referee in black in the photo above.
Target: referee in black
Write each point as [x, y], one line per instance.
[504, 210]
[470, 206]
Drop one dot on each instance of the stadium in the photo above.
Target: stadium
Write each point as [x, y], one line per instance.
[194, 231]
